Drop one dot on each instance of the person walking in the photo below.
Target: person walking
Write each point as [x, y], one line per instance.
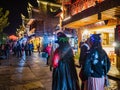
[84, 51]
[26, 48]
[97, 64]
[48, 51]
[38, 48]
[7, 50]
[18, 49]
[23, 51]
[64, 71]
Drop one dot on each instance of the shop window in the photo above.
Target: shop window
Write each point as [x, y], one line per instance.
[105, 38]
[111, 38]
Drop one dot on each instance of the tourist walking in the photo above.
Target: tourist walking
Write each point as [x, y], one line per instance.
[39, 48]
[48, 51]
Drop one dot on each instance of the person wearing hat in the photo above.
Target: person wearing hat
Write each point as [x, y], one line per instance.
[64, 71]
[97, 64]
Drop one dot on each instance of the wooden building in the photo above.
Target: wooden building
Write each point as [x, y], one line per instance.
[95, 16]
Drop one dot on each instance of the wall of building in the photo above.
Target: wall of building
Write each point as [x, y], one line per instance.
[107, 35]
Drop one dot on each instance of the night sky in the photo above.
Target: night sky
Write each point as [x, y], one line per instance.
[16, 8]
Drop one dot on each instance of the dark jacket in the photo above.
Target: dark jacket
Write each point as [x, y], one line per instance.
[97, 64]
[64, 71]
[84, 50]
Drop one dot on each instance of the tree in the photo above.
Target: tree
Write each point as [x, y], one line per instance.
[3, 19]
[3, 23]
[16, 8]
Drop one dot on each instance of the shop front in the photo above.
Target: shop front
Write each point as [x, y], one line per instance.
[91, 17]
[36, 41]
[108, 39]
[73, 38]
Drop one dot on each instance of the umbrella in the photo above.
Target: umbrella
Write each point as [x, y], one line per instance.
[13, 37]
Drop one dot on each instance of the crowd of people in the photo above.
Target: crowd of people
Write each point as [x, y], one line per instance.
[93, 60]
[16, 48]
[94, 65]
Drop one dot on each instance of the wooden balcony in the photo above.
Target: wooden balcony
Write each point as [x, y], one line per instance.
[109, 10]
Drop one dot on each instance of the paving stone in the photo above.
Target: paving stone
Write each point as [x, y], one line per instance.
[34, 86]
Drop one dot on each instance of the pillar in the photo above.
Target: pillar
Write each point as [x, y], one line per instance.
[79, 33]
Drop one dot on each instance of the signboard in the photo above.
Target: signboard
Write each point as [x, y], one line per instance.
[117, 40]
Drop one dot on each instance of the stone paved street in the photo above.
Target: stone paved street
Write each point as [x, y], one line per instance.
[31, 74]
